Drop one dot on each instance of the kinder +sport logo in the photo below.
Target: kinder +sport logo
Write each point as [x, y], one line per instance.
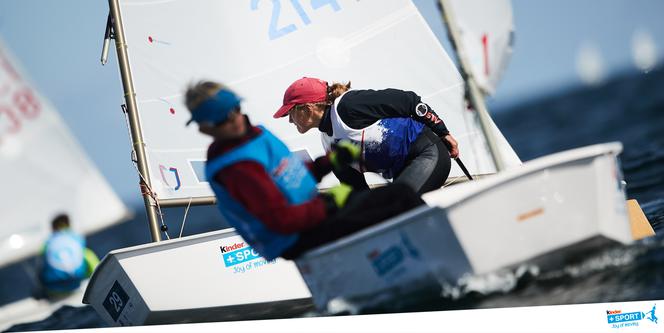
[620, 319]
[237, 253]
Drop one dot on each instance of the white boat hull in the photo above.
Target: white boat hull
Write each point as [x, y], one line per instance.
[543, 212]
[190, 279]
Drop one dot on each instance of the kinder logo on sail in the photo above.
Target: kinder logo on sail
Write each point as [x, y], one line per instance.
[620, 319]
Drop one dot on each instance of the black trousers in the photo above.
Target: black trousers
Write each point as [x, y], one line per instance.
[364, 209]
[427, 165]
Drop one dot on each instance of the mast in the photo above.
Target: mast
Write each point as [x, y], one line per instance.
[473, 94]
[134, 122]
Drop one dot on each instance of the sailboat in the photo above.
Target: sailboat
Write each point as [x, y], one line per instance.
[523, 211]
[45, 172]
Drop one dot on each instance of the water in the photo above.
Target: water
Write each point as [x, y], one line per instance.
[628, 108]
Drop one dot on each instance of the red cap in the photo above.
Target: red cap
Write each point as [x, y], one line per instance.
[304, 90]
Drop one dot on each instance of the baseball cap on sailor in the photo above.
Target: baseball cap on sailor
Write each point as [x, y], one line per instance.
[216, 108]
[304, 90]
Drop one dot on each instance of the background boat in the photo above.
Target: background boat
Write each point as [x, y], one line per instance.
[45, 172]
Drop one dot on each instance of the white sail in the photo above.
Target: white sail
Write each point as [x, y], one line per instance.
[43, 170]
[486, 29]
[259, 48]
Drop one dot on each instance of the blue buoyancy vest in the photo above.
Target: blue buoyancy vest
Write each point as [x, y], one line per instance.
[64, 262]
[287, 171]
[385, 143]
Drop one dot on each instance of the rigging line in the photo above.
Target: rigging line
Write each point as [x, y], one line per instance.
[184, 219]
[145, 188]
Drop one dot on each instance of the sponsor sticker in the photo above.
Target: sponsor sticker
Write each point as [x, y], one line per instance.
[240, 256]
[621, 319]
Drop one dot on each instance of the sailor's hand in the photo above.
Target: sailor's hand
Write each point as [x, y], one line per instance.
[344, 153]
[452, 145]
[340, 194]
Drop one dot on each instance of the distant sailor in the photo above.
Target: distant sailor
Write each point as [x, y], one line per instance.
[66, 260]
[269, 194]
[401, 137]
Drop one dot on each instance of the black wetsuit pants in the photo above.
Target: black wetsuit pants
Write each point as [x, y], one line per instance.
[427, 165]
[363, 209]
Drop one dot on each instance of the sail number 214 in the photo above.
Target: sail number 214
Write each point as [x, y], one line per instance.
[277, 30]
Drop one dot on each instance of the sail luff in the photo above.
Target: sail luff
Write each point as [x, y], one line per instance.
[134, 121]
[473, 93]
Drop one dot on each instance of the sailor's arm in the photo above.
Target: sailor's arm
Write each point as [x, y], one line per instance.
[409, 104]
[363, 107]
[422, 112]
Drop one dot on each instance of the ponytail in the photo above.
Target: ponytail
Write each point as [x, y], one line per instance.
[336, 90]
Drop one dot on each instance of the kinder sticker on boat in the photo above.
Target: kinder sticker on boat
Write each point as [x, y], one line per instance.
[237, 253]
[621, 319]
[242, 258]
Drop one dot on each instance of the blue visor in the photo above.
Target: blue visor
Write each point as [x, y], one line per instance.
[216, 108]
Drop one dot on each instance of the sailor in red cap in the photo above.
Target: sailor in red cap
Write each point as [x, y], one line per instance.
[400, 136]
[267, 193]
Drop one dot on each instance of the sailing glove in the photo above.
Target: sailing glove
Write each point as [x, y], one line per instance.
[339, 194]
[343, 154]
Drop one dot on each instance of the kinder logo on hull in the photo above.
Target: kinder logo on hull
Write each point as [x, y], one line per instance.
[233, 247]
[237, 253]
[620, 319]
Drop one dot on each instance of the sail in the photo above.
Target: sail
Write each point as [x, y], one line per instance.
[43, 170]
[486, 31]
[258, 48]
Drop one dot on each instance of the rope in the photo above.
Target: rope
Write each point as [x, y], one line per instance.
[145, 188]
[184, 219]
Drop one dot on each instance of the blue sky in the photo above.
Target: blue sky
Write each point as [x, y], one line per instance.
[59, 43]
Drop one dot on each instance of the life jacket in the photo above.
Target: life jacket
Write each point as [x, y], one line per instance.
[287, 171]
[384, 144]
[64, 261]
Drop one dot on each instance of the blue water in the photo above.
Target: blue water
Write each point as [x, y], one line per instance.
[628, 108]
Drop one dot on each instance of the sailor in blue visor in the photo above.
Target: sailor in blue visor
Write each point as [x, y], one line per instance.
[267, 193]
[216, 109]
